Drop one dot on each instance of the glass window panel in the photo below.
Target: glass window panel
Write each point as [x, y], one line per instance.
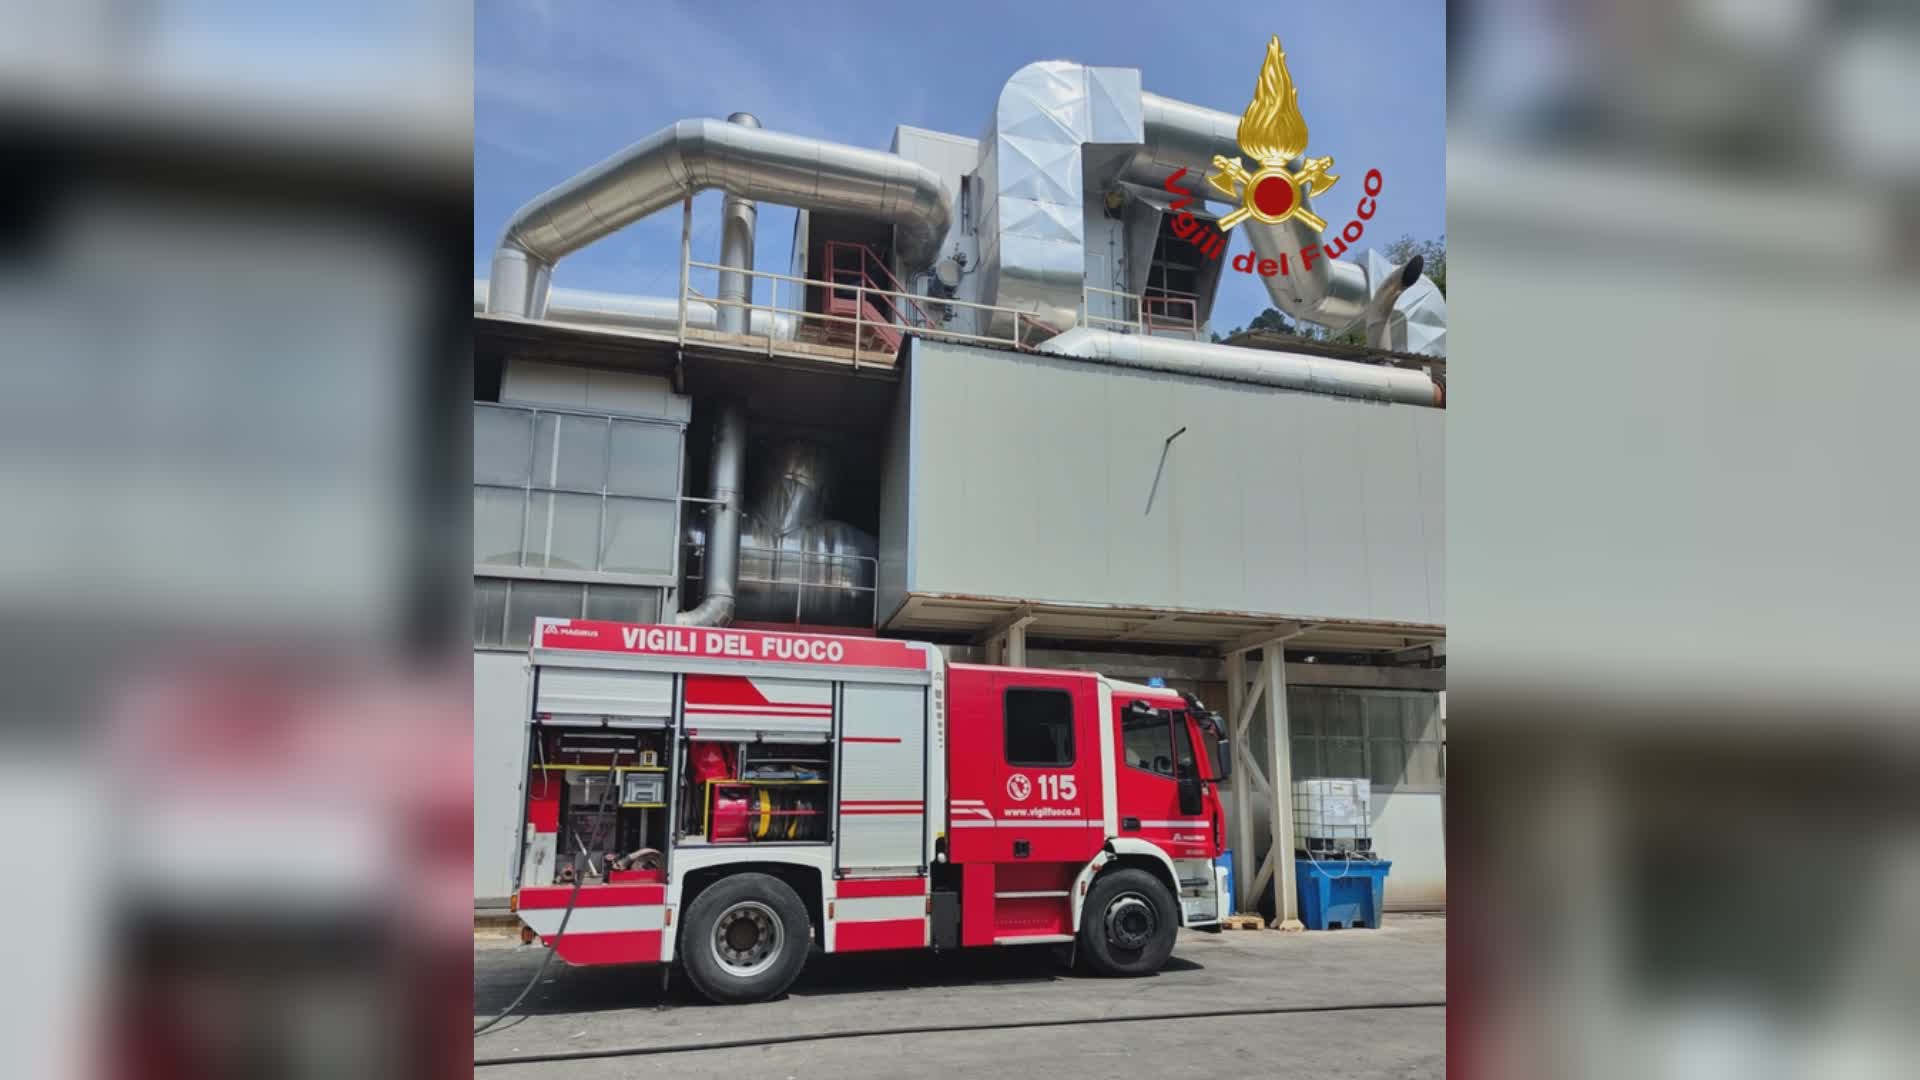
[623, 603]
[1344, 758]
[1389, 761]
[1039, 728]
[527, 600]
[563, 531]
[639, 537]
[1343, 718]
[1304, 706]
[1306, 758]
[570, 452]
[497, 514]
[1423, 717]
[502, 445]
[1384, 715]
[1423, 764]
[489, 611]
[1148, 744]
[646, 460]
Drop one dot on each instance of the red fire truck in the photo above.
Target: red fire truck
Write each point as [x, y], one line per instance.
[731, 800]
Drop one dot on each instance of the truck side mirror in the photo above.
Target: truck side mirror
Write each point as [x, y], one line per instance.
[1222, 759]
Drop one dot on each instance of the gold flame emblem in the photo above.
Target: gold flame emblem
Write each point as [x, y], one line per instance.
[1273, 132]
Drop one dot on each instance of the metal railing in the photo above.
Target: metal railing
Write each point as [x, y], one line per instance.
[1021, 329]
[816, 572]
[1141, 320]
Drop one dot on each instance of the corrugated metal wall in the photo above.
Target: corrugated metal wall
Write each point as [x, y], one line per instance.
[1033, 477]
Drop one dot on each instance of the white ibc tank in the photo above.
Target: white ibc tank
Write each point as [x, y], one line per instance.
[1330, 814]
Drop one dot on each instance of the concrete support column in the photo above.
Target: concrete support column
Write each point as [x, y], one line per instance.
[1006, 640]
[1263, 859]
[1280, 770]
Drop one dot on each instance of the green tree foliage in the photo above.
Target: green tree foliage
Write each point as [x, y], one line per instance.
[1271, 319]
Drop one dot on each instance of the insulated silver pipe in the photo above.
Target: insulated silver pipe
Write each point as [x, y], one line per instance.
[722, 569]
[694, 155]
[625, 311]
[1379, 313]
[1293, 371]
[1332, 293]
[737, 217]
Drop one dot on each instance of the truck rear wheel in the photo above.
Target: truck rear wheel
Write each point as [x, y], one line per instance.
[745, 939]
[1129, 923]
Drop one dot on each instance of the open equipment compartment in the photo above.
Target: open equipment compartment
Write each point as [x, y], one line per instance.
[758, 762]
[605, 793]
[600, 754]
[772, 792]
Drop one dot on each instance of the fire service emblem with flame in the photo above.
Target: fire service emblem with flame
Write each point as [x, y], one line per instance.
[1273, 132]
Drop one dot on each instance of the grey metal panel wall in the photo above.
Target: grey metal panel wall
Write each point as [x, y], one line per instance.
[895, 481]
[1034, 475]
[500, 682]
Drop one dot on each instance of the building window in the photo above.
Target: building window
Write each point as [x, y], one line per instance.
[504, 609]
[575, 515]
[574, 493]
[1392, 738]
[1039, 728]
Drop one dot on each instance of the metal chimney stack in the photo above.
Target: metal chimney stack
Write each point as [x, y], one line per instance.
[737, 218]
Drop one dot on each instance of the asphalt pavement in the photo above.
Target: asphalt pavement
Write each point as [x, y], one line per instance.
[588, 1009]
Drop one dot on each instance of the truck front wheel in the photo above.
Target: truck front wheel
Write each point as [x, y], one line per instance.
[1128, 924]
[745, 939]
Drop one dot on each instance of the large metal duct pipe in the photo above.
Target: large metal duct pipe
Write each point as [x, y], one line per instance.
[1393, 281]
[723, 529]
[789, 488]
[1290, 370]
[1332, 293]
[625, 311]
[695, 155]
[737, 217]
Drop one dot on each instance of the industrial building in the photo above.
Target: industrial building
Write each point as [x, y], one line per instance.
[979, 407]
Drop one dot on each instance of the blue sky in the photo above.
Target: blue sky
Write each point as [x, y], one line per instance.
[561, 84]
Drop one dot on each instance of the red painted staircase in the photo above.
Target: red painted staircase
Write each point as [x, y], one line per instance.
[883, 319]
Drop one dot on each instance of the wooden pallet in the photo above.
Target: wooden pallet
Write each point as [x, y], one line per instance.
[1243, 922]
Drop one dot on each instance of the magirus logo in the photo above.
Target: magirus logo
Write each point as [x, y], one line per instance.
[1273, 133]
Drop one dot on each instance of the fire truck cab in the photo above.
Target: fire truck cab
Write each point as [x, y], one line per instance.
[732, 800]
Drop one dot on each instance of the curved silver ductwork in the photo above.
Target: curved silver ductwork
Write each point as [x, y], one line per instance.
[738, 215]
[790, 492]
[1291, 371]
[1055, 125]
[723, 529]
[795, 566]
[695, 155]
[1332, 293]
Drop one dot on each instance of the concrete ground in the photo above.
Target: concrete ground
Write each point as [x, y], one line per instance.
[1405, 961]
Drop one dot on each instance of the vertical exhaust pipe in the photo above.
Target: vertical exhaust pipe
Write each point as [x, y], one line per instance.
[723, 522]
[1387, 287]
[737, 218]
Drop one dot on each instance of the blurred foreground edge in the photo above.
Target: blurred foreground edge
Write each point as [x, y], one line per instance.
[233, 433]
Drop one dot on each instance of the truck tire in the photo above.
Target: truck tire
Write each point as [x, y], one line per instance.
[745, 939]
[1129, 923]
